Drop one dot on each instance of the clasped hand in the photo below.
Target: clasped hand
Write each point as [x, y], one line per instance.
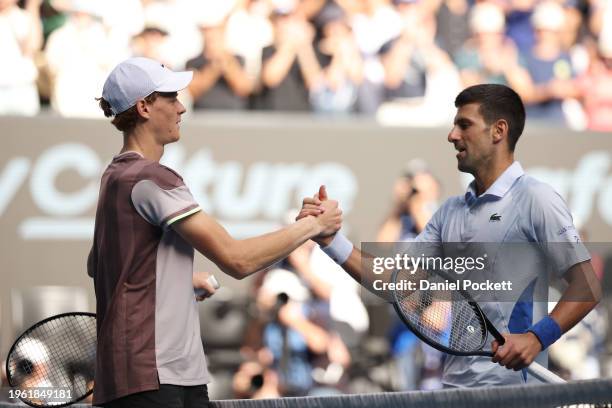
[327, 212]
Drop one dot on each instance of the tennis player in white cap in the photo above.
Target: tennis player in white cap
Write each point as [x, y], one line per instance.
[147, 224]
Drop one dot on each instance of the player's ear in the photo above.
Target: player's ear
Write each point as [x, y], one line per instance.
[143, 108]
[499, 130]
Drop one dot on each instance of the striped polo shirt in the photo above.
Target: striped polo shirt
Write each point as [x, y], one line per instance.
[148, 323]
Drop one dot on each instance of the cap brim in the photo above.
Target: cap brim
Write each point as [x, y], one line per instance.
[176, 82]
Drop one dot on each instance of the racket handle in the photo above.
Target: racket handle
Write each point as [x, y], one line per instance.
[544, 375]
[212, 281]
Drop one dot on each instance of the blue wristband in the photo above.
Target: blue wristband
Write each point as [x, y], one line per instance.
[547, 331]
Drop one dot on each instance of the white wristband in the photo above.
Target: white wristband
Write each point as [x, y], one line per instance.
[339, 249]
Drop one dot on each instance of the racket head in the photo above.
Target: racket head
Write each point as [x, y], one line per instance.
[448, 320]
[57, 353]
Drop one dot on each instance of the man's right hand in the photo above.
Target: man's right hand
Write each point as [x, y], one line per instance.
[320, 206]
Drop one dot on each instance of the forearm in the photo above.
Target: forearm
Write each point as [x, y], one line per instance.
[240, 258]
[277, 67]
[203, 81]
[34, 39]
[237, 79]
[395, 65]
[262, 251]
[580, 297]
[309, 66]
[316, 338]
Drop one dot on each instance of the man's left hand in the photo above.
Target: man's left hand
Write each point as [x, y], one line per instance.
[201, 281]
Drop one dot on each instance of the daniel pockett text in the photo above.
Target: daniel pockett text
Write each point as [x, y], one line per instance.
[487, 271]
[456, 266]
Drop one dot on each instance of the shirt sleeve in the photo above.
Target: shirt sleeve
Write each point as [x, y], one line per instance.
[163, 206]
[553, 226]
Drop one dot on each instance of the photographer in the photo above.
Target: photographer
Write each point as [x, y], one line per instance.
[415, 197]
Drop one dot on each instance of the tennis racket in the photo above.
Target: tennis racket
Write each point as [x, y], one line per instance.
[450, 320]
[52, 363]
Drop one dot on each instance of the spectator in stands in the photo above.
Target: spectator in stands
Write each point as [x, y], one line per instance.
[341, 75]
[594, 87]
[178, 19]
[518, 23]
[290, 335]
[489, 56]
[375, 23]
[79, 56]
[149, 43]
[415, 198]
[21, 38]
[248, 32]
[306, 311]
[219, 81]
[330, 287]
[547, 62]
[404, 57]
[452, 24]
[289, 66]
[335, 307]
[419, 76]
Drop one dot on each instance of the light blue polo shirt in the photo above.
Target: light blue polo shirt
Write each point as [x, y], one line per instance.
[515, 209]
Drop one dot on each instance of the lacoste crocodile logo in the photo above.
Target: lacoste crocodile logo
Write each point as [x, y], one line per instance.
[495, 217]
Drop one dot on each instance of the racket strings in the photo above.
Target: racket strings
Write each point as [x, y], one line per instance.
[58, 354]
[444, 317]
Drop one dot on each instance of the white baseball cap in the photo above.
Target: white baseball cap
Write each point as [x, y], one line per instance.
[137, 78]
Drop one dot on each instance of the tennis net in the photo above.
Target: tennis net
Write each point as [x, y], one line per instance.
[592, 393]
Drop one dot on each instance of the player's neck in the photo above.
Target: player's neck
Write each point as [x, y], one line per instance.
[486, 175]
[140, 142]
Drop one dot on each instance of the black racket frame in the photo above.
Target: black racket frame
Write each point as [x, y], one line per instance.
[27, 332]
[488, 325]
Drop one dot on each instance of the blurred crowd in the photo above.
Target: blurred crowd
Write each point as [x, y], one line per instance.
[402, 61]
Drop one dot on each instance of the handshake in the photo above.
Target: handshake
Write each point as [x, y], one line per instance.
[327, 214]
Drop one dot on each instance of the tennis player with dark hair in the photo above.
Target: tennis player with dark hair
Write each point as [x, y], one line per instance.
[501, 205]
[149, 351]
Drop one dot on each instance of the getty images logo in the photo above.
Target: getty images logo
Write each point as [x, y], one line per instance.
[247, 199]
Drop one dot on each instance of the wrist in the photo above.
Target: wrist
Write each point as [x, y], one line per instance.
[324, 241]
[547, 331]
[312, 224]
[339, 249]
[535, 340]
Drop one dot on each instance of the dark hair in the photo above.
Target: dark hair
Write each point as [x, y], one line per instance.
[127, 120]
[497, 102]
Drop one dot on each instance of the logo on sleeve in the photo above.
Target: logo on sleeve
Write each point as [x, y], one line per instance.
[495, 217]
